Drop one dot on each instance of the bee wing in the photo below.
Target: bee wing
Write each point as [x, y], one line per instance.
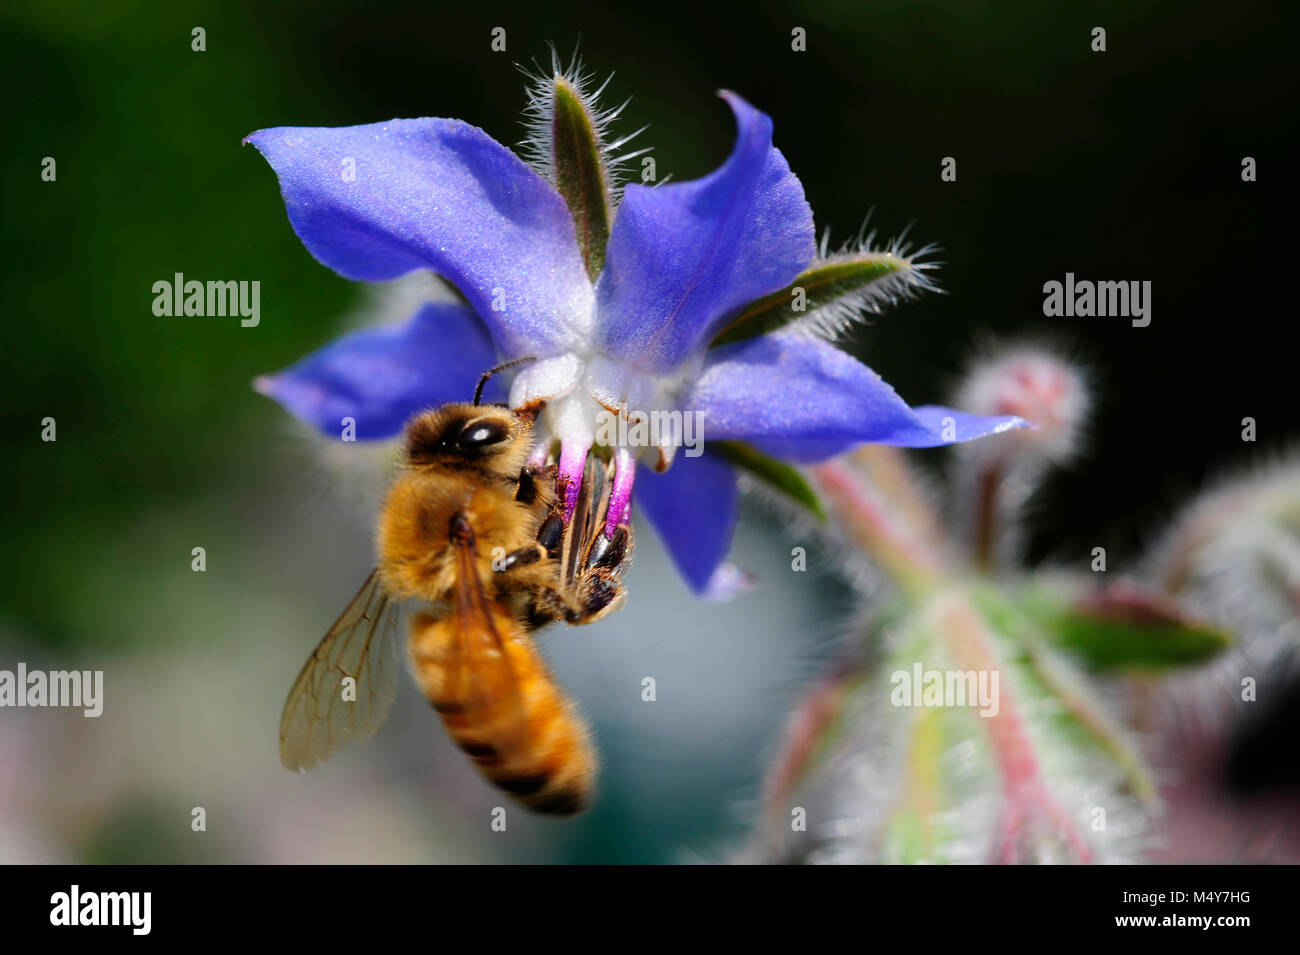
[481, 673]
[319, 715]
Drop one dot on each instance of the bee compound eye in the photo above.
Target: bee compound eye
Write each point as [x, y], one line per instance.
[482, 433]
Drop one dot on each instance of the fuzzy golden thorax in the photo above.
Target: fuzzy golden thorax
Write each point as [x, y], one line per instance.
[463, 463]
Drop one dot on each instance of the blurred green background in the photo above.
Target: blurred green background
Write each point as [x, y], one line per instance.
[1120, 165]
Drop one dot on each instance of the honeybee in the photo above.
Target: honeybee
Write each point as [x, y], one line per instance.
[476, 535]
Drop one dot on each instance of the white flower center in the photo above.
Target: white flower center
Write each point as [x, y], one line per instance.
[592, 399]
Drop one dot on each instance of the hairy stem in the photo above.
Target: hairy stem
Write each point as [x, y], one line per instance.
[878, 530]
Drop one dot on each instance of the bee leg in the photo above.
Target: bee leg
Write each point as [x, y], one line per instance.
[598, 595]
[601, 594]
[548, 602]
[535, 616]
[522, 557]
[610, 552]
[551, 534]
[526, 492]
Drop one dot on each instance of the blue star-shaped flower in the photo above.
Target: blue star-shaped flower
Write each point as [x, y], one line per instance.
[681, 263]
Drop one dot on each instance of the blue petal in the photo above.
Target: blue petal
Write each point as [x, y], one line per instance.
[693, 508]
[682, 257]
[964, 427]
[799, 397]
[375, 202]
[381, 376]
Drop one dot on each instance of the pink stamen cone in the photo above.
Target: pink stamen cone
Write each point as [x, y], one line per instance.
[573, 459]
[620, 499]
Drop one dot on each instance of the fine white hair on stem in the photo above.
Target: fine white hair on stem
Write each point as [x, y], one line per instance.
[834, 319]
[538, 146]
[1233, 555]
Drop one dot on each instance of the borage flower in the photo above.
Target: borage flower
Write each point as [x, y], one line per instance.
[708, 298]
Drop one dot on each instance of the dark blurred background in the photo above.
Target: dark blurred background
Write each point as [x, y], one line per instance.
[1122, 165]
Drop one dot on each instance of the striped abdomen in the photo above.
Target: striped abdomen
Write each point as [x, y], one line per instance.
[498, 700]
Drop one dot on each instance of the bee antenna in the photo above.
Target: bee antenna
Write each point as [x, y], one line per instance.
[482, 382]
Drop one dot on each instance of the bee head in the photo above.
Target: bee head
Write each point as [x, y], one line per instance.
[460, 435]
